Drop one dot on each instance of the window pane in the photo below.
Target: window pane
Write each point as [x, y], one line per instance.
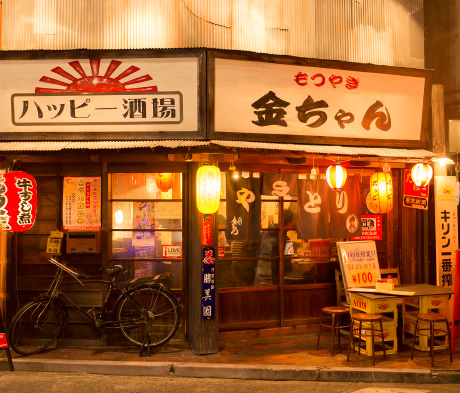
[147, 215]
[145, 244]
[146, 186]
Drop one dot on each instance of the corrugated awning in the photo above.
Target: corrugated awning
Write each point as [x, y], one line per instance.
[42, 146]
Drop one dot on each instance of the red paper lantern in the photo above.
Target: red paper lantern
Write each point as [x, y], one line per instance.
[164, 181]
[18, 201]
[381, 192]
[336, 176]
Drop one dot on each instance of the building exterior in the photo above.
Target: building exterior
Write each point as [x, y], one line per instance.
[115, 97]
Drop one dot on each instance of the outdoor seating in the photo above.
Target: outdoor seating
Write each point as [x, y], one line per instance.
[336, 324]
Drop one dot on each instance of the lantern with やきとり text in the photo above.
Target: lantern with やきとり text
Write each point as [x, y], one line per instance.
[336, 176]
[421, 174]
[164, 181]
[208, 189]
[18, 201]
[381, 192]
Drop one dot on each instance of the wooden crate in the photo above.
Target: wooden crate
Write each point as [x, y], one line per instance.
[389, 336]
[375, 306]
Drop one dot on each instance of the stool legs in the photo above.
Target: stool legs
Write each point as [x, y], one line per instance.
[449, 338]
[415, 336]
[383, 341]
[320, 325]
[432, 343]
[333, 329]
[351, 340]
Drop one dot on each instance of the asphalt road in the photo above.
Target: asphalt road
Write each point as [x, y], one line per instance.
[25, 382]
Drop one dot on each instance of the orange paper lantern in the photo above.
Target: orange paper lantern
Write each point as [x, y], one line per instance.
[336, 176]
[164, 181]
[421, 174]
[381, 192]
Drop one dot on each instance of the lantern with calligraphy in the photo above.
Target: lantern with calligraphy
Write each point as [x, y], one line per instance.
[18, 201]
[421, 174]
[208, 189]
[381, 192]
[164, 181]
[336, 176]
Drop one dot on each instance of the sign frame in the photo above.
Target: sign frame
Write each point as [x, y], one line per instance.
[215, 133]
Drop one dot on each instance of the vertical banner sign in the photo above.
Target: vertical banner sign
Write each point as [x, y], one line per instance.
[313, 209]
[279, 184]
[345, 210]
[206, 229]
[456, 308]
[81, 203]
[208, 295]
[359, 263]
[415, 197]
[243, 208]
[18, 201]
[446, 232]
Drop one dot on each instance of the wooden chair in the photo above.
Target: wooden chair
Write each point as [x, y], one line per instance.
[341, 298]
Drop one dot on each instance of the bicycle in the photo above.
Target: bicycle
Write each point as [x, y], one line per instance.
[146, 311]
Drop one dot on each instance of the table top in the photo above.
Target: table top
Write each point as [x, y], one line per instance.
[417, 289]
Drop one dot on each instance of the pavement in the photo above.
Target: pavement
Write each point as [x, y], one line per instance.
[270, 355]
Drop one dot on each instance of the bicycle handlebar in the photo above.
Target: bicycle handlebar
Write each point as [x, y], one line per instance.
[67, 270]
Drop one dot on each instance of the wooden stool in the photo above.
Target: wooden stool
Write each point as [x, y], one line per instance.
[335, 325]
[432, 318]
[371, 319]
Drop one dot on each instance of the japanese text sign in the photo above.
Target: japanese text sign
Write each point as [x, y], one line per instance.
[81, 203]
[359, 263]
[300, 100]
[415, 197]
[371, 227]
[208, 294]
[59, 96]
[446, 230]
[18, 201]
[206, 229]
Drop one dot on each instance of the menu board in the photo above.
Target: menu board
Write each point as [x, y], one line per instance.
[359, 264]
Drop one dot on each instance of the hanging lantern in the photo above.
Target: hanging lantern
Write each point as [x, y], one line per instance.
[18, 201]
[381, 192]
[164, 181]
[421, 174]
[208, 189]
[336, 176]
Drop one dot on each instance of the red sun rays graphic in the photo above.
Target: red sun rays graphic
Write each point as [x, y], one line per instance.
[95, 82]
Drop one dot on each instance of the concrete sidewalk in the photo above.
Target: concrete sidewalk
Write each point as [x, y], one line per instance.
[291, 357]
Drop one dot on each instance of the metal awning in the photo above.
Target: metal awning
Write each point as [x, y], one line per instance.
[43, 146]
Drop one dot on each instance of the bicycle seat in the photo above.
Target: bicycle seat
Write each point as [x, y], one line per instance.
[113, 271]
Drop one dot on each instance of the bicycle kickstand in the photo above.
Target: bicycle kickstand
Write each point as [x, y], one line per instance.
[146, 341]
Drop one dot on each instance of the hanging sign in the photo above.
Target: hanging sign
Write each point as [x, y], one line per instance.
[18, 201]
[81, 203]
[446, 232]
[372, 228]
[206, 229]
[208, 294]
[414, 197]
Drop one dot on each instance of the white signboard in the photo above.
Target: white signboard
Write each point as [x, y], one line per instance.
[99, 95]
[266, 98]
[446, 231]
[359, 263]
[171, 251]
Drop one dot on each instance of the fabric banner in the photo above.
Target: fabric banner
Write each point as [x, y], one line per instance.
[313, 209]
[345, 210]
[243, 208]
[279, 184]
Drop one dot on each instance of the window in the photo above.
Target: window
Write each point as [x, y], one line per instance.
[147, 226]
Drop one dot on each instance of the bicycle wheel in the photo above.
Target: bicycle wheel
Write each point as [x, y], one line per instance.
[162, 311]
[36, 326]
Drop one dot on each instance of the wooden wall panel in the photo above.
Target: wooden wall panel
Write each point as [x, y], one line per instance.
[305, 304]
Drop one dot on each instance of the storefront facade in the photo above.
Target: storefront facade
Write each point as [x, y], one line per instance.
[126, 118]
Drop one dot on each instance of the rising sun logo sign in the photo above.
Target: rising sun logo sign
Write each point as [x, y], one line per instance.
[95, 82]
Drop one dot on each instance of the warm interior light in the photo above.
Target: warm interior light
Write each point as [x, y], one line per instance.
[421, 174]
[236, 175]
[336, 176]
[208, 189]
[119, 216]
[381, 192]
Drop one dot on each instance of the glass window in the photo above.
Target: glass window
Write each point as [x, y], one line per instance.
[147, 225]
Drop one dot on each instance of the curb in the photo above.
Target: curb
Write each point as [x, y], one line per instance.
[236, 371]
